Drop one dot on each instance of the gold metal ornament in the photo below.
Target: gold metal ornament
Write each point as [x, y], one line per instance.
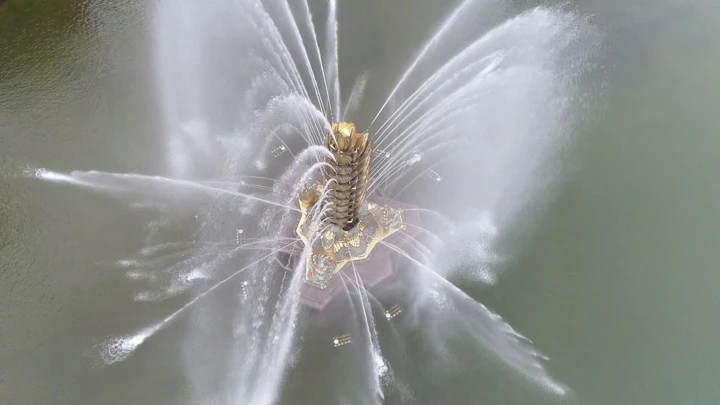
[344, 227]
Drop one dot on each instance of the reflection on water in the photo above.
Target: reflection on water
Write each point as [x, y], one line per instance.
[615, 286]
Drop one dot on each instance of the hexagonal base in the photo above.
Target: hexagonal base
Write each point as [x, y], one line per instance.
[372, 270]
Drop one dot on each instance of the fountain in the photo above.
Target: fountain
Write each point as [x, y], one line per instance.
[299, 211]
[339, 229]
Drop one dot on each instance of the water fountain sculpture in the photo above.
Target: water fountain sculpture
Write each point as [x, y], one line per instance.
[339, 227]
[283, 165]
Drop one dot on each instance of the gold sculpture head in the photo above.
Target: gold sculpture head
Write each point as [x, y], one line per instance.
[345, 139]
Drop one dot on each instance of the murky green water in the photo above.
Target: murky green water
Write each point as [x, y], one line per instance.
[618, 286]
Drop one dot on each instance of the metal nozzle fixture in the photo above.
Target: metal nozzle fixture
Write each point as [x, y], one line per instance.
[348, 174]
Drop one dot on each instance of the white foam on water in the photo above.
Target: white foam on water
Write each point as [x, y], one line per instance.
[140, 275]
[125, 263]
[381, 365]
[194, 275]
[55, 177]
[119, 349]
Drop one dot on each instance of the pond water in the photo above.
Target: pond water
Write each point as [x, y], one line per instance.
[617, 282]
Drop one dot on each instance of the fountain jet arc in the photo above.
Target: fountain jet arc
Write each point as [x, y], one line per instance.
[338, 225]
